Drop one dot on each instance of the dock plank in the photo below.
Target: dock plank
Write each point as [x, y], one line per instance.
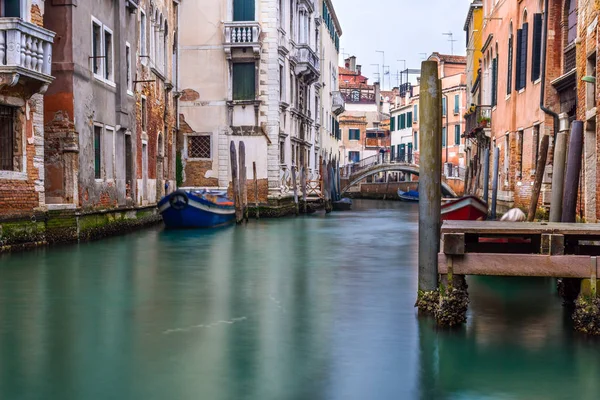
[520, 228]
[493, 264]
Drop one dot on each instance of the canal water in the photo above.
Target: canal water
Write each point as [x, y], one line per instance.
[316, 307]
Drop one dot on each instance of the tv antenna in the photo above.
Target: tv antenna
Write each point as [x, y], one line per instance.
[451, 40]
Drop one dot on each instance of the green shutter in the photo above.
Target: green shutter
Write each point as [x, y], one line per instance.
[444, 137]
[416, 112]
[392, 124]
[456, 103]
[243, 10]
[97, 153]
[443, 106]
[409, 119]
[494, 82]
[244, 81]
[457, 134]
[510, 67]
[416, 141]
[403, 121]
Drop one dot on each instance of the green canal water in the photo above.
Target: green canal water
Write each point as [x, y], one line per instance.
[317, 307]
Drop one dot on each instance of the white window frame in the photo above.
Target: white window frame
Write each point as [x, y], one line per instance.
[111, 78]
[100, 74]
[102, 169]
[186, 150]
[130, 69]
[108, 128]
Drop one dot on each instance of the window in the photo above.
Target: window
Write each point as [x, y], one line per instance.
[10, 8]
[444, 137]
[510, 64]
[443, 106]
[108, 55]
[109, 138]
[129, 74]
[590, 88]
[243, 10]
[97, 48]
[199, 146]
[143, 36]
[393, 124]
[354, 134]
[7, 138]
[144, 115]
[281, 83]
[244, 81]
[416, 140]
[97, 152]
[354, 156]
[495, 81]
[520, 154]
[536, 55]
[572, 22]
[409, 119]
[416, 113]
[457, 135]
[402, 121]
[282, 152]
[521, 64]
[456, 104]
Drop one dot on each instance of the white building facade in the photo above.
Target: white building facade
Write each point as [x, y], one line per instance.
[250, 71]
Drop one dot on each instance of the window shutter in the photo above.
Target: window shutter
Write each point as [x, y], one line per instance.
[409, 119]
[398, 124]
[457, 135]
[537, 48]
[243, 81]
[524, 55]
[416, 141]
[456, 105]
[518, 61]
[393, 124]
[416, 112]
[510, 68]
[443, 106]
[402, 121]
[494, 82]
[444, 137]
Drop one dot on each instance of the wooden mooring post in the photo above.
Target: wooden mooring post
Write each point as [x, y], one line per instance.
[325, 187]
[486, 175]
[558, 169]
[295, 186]
[430, 179]
[243, 182]
[235, 183]
[569, 210]
[539, 176]
[255, 189]
[303, 187]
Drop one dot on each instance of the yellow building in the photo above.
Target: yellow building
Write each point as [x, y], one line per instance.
[473, 28]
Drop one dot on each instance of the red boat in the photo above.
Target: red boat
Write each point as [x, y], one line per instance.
[466, 208]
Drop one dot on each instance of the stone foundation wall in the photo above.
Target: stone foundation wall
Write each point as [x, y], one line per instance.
[65, 226]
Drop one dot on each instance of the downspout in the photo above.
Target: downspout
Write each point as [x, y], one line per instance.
[543, 83]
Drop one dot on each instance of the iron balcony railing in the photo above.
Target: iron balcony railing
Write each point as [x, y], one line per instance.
[479, 118]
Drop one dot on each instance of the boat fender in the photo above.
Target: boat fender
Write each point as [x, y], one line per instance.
[179, 200]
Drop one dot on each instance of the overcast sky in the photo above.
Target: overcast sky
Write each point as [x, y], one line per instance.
[401, 28]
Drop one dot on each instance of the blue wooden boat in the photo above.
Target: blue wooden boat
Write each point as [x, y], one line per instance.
[411, 195]
[196, 209]
[344, 204]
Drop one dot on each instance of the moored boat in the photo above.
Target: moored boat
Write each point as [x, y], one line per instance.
[344, 204]
[466, 208]
[411, 195]
[196, 209]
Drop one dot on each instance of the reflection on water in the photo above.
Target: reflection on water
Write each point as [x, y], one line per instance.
[319, 307]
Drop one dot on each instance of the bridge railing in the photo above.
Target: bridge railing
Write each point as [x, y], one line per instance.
[360, 165]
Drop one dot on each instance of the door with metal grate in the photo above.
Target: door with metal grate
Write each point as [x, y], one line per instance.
[7, 138]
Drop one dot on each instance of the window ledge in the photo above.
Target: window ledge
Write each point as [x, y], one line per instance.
[130, 93]
[197, 159]
[538, 80]
[521, 91]
[13, 175]
[508, 96]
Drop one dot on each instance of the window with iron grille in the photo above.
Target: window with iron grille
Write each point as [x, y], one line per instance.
[199, 146]
[7, 138]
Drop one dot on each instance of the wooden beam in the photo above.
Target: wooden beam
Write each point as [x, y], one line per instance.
[552, 244]
[494, 264]
[454, 243]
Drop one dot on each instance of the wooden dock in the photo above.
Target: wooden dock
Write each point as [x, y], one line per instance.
[520, 249]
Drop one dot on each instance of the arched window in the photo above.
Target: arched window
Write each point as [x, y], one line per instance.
[572, 21]
[521, 64]
[509, 60]
[165, 58]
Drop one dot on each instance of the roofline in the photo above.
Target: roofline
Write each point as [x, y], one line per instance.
[334, 15]
[472, 7]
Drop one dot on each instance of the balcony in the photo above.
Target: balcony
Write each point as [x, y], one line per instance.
[25, 56]
[308, 5]
[240, 35]
[132, 5]
[307, 63]
[338, 104]
[477, 120]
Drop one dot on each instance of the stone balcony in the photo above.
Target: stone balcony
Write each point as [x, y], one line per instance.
[25, 56]
[307, 63]
[240, 35]
[338, 105]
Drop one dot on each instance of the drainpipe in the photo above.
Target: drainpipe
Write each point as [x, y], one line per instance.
[543, 83]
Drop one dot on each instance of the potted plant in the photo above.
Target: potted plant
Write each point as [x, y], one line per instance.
[484, 122]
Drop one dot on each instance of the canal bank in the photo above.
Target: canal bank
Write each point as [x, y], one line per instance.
[316, 307]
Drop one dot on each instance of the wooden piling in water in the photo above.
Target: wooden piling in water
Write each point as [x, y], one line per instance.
[486, 175]
[255, 189]
[325, 187]
[539, 177]
[558, 169]
[569, 210]
[495, 182]
[295, 186]
[430, 179]
[243, 182]
[235, 183]
[303, 187]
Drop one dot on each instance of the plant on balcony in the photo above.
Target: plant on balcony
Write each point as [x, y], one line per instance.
[470, 111]
[484, 122]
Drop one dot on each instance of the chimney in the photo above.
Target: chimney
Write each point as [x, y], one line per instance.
[377, 96]
[359, 69]
[352, 61]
